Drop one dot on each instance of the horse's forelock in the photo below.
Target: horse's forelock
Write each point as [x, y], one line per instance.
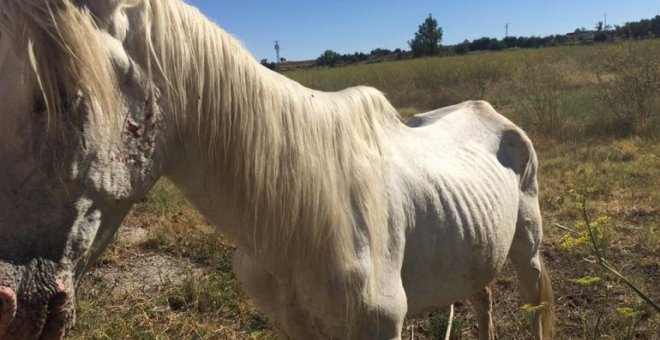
[68, 60]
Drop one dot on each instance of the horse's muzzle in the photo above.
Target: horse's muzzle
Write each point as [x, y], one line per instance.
[7, 309]
[38, 311]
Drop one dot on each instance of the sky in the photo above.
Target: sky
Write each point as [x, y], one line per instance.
[306, 28]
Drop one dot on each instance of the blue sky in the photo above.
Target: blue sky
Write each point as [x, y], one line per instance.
[306, 28]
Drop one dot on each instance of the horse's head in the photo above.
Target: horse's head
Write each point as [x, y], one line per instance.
[80, 142]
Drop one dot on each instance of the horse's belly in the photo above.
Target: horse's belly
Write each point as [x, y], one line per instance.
[462, 217]
[450, 255]
[428, 290]
[440, 280]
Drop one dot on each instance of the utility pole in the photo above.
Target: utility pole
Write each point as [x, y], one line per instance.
[506, 27]
[605, 23]
[277, 51]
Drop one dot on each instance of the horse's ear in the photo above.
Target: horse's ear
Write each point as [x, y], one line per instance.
[108, 15]
[102, 10]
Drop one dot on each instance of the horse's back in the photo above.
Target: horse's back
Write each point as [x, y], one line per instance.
[426, 118]
[447, 133]
[466, 111]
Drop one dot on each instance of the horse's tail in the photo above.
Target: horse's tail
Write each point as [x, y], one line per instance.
[529, 188]
[535, 286]
[547, 297]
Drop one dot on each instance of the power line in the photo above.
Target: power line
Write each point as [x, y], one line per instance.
[277, 51]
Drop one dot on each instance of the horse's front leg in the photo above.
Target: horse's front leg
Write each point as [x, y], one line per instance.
[262, 288]
[276, 297]
[386, 309]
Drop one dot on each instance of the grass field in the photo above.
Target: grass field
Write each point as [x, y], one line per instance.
[593, 114]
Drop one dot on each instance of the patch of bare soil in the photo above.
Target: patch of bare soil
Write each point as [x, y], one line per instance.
[140, 272]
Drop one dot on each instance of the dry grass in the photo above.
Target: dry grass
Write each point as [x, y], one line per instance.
[204, 305]
[557, 95]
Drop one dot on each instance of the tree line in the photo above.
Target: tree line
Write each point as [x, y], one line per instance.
[428, 38]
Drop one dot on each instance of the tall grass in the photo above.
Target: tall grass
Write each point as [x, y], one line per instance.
[581, 92]
[629, 82]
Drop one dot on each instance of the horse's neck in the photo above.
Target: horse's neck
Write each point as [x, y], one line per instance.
[226, 122]
[260, 152]
[202, 188]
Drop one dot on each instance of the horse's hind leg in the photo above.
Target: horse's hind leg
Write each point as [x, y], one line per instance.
[483, 306]
[534, 282]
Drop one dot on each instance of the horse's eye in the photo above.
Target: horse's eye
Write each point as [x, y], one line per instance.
[39, 104]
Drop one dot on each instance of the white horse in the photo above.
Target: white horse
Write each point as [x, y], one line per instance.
[346, 220]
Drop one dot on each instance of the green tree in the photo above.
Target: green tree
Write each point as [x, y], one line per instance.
[268, 64]
[655, 25]
[427, 38]
[463, 47]
[329, 58]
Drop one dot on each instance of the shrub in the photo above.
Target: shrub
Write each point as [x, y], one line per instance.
[629, 83]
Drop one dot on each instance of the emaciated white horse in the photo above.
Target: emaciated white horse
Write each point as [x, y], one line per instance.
[346, 220]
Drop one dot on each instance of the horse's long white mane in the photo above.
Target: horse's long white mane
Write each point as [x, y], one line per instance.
[304, 168]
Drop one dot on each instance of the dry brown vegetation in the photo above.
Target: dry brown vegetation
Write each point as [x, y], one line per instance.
[593, 114]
